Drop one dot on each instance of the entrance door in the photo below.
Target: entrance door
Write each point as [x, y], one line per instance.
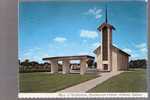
[105, 66]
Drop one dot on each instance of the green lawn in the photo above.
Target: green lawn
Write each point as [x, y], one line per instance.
[44, 82]
[132, 81]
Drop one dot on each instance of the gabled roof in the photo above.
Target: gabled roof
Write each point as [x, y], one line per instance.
[96, 50]
[121, 51]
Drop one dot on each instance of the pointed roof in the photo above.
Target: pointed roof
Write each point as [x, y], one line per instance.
[105, 24]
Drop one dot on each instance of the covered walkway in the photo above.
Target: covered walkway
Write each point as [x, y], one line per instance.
[66, 63]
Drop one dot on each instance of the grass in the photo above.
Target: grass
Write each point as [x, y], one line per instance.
[44, 82]
[131, 81]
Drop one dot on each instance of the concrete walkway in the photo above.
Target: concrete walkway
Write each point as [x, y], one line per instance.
[85, 86]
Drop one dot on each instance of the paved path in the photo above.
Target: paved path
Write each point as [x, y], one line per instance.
[85, 86]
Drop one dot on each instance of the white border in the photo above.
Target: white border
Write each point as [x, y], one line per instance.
[8, 56]
[83, 95]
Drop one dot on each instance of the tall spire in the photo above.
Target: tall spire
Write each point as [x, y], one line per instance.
[105, 23]
[106, 13]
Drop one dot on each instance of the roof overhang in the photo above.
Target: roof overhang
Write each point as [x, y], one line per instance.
[76, 57]
[105, 25]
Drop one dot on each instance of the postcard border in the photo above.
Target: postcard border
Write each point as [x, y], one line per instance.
[9, 52]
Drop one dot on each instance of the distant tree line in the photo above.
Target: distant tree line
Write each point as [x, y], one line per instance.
[33, 66]
[140, 63]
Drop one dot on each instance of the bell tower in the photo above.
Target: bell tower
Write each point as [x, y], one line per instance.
[106, 46]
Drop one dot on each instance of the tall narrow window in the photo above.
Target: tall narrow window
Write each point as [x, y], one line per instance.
[105, 43]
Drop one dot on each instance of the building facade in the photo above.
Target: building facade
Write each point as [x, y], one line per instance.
[109, 57]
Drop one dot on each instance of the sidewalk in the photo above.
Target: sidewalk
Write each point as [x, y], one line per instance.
[85, 86]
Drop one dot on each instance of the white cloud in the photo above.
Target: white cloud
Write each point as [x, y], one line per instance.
[94, 12]
[26, 55]
[44, 55]
[142, 47]
[98, 16]
[127, 50]
[84, 41]
[140, 51]
[135, 56]
[60, 39]
[88, 34]
[34, 54]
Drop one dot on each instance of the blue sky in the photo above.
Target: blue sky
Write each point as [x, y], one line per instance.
[70, 28]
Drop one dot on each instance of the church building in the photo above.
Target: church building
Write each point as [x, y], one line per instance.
[108, 57]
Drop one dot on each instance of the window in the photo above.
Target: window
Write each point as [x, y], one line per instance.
[105, 43]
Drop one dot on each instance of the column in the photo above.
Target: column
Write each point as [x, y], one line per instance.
[83, 67]
[65, 66]
[100, 63]
[109, 49]
[54, 66]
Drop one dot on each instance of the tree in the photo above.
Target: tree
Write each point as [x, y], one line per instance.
[90, 63]
[33, 63]
[140, 63]
[25, 63]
